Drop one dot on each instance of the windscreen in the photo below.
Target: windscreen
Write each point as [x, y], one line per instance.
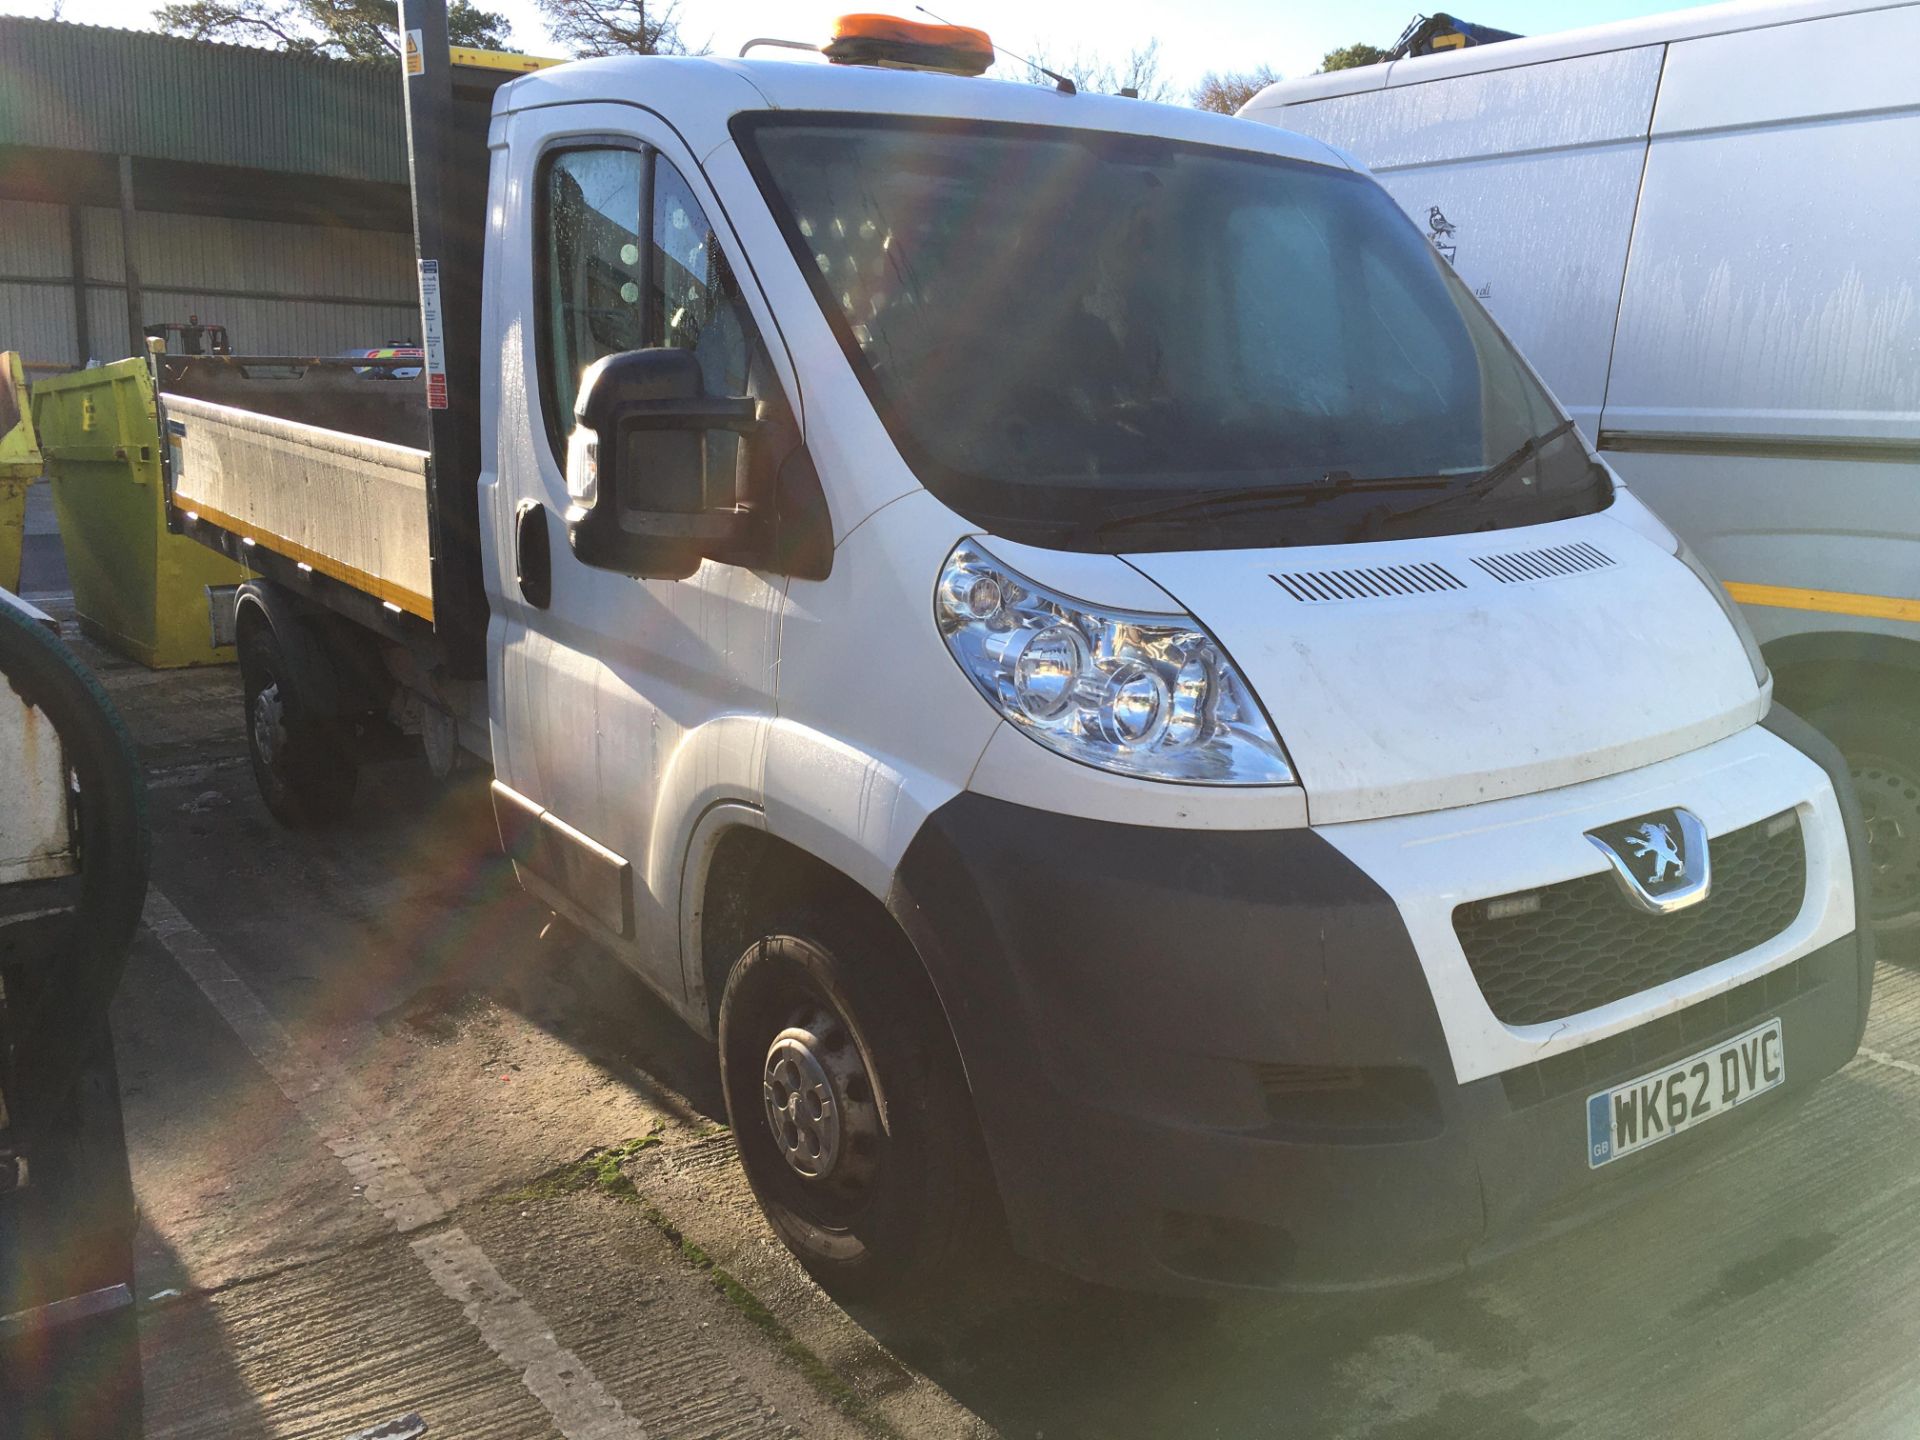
[1090, 339]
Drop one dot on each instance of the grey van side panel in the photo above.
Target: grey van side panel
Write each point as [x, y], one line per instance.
[1846, 527]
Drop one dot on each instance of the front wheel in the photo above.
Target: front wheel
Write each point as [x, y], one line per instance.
[1879, 734]
[848, 1103]
[303, 759]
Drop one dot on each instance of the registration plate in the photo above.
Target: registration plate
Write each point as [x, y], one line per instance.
[1684, 1094]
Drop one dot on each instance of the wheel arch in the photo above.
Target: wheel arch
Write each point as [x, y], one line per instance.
[1812, 667]
[335, 662]
[740, 874]
[261, 604]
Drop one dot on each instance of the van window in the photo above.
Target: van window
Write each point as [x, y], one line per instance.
[613, 285]
[593, 266]
[1062, 328]
[696, 302]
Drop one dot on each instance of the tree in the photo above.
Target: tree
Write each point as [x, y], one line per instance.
[1140, 73]
[338, 29]
[1349, 56]
[1225, 91]
[616, 27]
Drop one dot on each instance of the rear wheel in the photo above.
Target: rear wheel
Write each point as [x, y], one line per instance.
[849, 1106]
[1879, 734]
[303, 760]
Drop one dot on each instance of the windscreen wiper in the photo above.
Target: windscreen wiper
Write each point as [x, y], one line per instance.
[1490, 479]
[1265, 497]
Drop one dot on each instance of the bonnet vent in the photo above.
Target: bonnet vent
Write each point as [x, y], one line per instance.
[1367, 583]
[1518, 566]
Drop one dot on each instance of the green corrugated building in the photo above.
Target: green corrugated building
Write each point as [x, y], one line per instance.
[262, 191]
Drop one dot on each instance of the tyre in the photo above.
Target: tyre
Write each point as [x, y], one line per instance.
[1879, 734]
[303, 761]
[849, 1106]
[59, 970]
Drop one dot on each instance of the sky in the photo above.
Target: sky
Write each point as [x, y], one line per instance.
[1195, 36]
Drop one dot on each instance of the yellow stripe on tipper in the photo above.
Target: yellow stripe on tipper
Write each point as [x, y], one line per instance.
[399, 596]
[1827, 602]
[498, 59]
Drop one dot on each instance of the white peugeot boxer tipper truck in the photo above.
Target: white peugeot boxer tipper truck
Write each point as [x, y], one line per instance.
[1058, 632]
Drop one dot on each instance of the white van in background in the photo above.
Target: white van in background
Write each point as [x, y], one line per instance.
[1704, 229]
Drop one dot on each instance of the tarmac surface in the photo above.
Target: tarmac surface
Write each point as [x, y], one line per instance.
[360, 1083]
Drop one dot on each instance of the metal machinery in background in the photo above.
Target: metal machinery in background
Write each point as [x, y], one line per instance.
[73, 878]
[191, 337]
[1430, 34]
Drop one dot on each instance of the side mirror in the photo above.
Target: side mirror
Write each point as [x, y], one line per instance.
[639, 464]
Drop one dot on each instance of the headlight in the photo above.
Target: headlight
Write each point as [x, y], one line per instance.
[1729, 607]
[1146, 695]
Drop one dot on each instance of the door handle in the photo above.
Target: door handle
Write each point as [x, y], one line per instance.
[532, 554]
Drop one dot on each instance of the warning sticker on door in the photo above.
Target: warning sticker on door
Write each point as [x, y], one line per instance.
[433, 336]
[415, 57]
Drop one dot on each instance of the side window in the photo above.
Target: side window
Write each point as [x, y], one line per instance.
[696, 304]
[631, 262]
[594, 267]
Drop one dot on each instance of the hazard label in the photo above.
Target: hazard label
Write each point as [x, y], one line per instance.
[433, 336]
[414, 57]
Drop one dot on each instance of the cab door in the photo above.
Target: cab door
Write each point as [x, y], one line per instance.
[610, 688]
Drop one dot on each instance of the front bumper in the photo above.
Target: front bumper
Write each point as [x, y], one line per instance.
[1206, 1059]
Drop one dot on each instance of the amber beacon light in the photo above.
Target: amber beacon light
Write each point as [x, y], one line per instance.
[898, 44]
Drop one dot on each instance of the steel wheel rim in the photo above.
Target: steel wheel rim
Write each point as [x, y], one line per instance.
[1890, 807]
[269, 722]
[818, 1101]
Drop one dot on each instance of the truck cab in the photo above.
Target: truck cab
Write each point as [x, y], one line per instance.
[1059, 633]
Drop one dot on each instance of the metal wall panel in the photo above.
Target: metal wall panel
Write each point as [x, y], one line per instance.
[100, 232]
[85, 87]
[33, 239]
[303, 289]
[106, 326]
[37, 320]
[200, 252]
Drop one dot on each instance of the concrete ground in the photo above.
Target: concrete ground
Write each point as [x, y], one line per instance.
[359, 1085]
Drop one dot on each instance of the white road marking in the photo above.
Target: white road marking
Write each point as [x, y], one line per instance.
[1892, 1062]
[334, 1106]
[517, 1333]
[326, 1099]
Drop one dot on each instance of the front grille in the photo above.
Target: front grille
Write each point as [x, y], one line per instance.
[1643, 1048]
[1585, 946]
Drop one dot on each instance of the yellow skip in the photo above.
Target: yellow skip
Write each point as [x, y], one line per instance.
[1831, 602]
